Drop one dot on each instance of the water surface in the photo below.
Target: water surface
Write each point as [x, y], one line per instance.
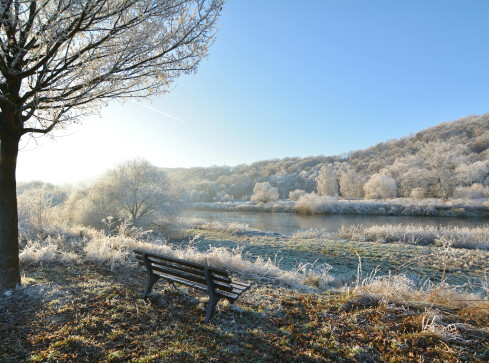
[289, 223]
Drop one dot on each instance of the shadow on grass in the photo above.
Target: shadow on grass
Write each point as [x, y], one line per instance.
[88, 313]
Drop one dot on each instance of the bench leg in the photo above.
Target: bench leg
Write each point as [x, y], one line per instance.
[151, 281]
[213, 300]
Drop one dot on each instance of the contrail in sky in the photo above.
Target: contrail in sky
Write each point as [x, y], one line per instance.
[163, 113]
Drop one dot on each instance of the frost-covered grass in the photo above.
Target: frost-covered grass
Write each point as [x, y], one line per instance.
[81, 311]
[46, 251]
[246, 206]
[314, 204]
[116, 249]
[312, 233]
[80, 245]
[400, 288]
[233, 227]
[457, 237]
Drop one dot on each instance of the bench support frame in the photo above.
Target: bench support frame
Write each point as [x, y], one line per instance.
[152, 278]
[213, 297]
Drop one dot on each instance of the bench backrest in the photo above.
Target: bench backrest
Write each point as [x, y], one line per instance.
[184, 271]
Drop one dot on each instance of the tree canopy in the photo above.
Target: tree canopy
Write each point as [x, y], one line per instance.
[62, 59]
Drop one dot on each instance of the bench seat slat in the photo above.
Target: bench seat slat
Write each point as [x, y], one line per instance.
[225, 294]
[193, 278]
[173, 265]
[239, 288]
[184, 262]
[241, 285]
[199, 278]
[188, 270]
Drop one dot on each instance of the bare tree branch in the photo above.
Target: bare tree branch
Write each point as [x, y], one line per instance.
[60, 59]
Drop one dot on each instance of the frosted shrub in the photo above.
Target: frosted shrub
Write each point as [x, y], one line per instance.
[380, 187]
[316, 276]
[89, 206]
[418, 193]
[223, 197]
[401, 289]
[213, 225]
[327, 182]
[315, 204]
[35, 206]
[264, 193]
[194, 196]
[312, 233]
[296, 194]
[476, 191]
[236, 227]
[50, 250]
[351, 184]
[134, 190]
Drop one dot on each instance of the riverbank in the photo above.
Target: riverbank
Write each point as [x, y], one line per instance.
[389, 207]
[80, 300]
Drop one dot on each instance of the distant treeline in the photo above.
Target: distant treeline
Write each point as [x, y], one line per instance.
[445, 161]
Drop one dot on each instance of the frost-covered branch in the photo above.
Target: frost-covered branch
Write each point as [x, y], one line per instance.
[63, 59]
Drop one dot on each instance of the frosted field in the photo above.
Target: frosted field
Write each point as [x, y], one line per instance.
[350, 260]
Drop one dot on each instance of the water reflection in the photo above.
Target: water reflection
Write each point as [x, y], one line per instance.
[289, 223]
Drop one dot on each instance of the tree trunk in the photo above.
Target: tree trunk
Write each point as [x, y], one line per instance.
[9, 226]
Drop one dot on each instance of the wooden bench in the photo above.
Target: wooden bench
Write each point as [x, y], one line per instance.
[215, 281]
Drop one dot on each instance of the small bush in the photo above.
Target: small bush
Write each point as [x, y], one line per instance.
[264, 193]
[314, 204]
[476, 191]
[380, 187]
[402, 289]
[296, 194]
[418, 193]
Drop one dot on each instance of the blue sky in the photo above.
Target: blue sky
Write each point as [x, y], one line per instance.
[292, 78]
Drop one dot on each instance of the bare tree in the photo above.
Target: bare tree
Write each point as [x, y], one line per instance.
[141, 190]
[34, 205]
[351, 184]
[264, 193]
[135, 191]
[327, 181]
[62, 59]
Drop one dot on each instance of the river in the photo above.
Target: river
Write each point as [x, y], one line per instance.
[289, 223]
